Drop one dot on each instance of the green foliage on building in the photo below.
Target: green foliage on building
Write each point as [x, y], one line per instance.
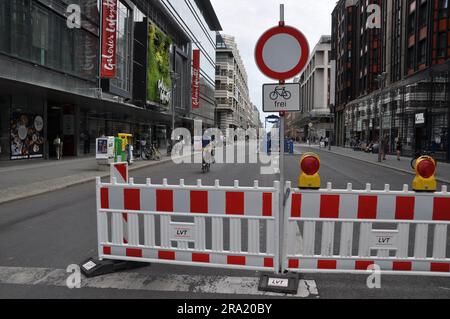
[158, 62]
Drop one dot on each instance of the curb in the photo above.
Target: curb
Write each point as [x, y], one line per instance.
[384, 165]
[76, 183]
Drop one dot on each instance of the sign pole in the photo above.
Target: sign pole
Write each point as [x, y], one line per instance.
[282, 119]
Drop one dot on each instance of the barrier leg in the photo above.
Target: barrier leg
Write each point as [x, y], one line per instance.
[282, 282]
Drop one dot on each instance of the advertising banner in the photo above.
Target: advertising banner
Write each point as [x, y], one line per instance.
[159, 83]
[109, 38]
[27, 139]
[195, 79]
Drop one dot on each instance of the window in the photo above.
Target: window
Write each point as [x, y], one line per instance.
[442, 45]
[443, 9]
[33, 32]
[422, 52]
[412, 22]
[410, 59]
[122, 80]
[423, 14]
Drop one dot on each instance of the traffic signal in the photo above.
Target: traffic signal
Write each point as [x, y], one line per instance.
[309, 178]
[425, 180]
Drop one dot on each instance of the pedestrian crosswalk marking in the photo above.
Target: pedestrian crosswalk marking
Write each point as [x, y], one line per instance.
[146, 282]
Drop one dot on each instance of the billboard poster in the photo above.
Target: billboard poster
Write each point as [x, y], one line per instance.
[109, 38]
[195, 79]
[159, 82]
[26, 136]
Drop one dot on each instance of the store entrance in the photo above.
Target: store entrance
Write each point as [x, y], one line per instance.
[421, 139]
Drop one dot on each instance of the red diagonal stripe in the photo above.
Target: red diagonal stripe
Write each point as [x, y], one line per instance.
[122, 169]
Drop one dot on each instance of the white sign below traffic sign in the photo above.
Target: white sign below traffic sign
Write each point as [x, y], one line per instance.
[281, 97]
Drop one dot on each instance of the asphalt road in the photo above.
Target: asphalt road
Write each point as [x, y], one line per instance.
[55, 230]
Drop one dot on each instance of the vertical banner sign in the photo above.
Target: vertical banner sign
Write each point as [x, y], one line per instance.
[196, 79]
[109, 38]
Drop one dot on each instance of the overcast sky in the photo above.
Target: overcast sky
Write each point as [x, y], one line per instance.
[248, 19]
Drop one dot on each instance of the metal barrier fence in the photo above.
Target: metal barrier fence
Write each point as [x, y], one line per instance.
[209, 226]
[346, 231]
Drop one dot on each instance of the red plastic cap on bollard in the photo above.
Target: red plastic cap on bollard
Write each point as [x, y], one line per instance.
[426, 168]
[310, 165]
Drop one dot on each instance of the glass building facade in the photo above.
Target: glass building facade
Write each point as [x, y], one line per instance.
[49, 80]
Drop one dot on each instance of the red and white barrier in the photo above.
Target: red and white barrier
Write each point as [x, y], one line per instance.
[206, 211]
[119, 174]
[383, 222]
[119, 171]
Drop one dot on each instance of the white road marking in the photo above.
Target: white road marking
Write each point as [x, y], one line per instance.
[142, 281]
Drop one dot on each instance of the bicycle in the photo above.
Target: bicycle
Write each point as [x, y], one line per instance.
[419, 154]
[151, 153]
[280, 91]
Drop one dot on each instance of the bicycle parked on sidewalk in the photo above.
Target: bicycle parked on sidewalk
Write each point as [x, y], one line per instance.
[151, 152]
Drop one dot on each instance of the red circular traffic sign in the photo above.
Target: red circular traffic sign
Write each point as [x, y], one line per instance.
[282, 52]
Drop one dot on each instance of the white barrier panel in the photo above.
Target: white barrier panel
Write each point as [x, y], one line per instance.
[347, 231]
[190, 225]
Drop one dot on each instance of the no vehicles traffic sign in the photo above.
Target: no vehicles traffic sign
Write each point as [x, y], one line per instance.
[282, 52]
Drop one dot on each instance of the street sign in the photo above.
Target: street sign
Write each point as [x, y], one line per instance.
[281, 97]
[282, 52]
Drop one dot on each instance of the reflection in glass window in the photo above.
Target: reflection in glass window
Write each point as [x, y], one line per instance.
[122, 79]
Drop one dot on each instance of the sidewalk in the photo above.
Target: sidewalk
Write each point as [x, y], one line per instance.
[404, 165]
[30, 178]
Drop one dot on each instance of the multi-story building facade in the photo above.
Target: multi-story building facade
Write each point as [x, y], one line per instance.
[234, 108]
[49, 73]
[314, 120]
[399, 68]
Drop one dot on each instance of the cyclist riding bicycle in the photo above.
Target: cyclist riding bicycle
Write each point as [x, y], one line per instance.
[208, 152]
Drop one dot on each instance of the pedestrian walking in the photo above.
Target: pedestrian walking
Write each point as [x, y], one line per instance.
[58, 146]
[399, 147]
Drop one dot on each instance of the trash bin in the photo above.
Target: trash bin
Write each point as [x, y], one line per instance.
[289, 146]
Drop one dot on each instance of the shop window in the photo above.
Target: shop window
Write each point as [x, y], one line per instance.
[5, 102]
